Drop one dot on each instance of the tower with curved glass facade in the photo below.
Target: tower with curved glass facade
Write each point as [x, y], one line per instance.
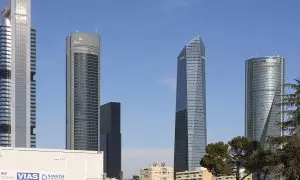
[82, 91]
[190, 122]
[17, 76]
[264, 90]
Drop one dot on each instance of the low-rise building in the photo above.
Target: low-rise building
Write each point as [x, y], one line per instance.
[204, 174]
[158, 171]
[199, 174]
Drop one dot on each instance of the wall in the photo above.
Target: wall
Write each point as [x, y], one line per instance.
[60, 164]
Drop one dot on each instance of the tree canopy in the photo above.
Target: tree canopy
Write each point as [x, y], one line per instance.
[229, 159]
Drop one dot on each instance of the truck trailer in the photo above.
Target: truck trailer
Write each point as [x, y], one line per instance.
[50, 164]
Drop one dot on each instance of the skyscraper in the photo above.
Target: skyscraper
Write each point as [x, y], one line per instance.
[17, 76]
[110, 141]
[82, 91]
[264, 90]
[190, 123]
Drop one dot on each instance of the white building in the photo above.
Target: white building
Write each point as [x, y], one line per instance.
[49, 164]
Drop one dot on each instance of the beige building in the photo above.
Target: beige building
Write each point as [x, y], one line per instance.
[158, 171]
[200, 174]
[204, 174]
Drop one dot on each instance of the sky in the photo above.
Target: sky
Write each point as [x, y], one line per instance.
[140, 41]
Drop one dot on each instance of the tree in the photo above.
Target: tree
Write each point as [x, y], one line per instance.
[290, 158]
[262, 163]
[289, 155]
[291, 102]
[217, 159]
[228, 159]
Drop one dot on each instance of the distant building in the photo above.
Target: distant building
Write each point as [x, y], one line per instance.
[264, 93]
[158, 171]
[110, 138]
[204, 174]
[82, 91]
[200, 174]
[190, 121]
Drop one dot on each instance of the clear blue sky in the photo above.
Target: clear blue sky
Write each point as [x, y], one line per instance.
[140, 42]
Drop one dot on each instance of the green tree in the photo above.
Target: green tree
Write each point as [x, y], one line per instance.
[288, 155]
[217, 159]
[262, 163]
[291, 101]
[228, 159]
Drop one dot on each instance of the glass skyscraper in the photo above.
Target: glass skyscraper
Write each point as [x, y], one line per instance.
[264, 90]
[110, 138]
[82, 91]
[190, 123]
[17, 76]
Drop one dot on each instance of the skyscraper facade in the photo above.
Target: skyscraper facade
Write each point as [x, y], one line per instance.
[82, 91]
[110, 138]
[190, 123]
[264, 90]
[17, 76]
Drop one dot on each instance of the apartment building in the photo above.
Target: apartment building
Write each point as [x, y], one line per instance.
[158, 171]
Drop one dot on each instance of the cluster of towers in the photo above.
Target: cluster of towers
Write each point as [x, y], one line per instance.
[85, 129]
[263, 94]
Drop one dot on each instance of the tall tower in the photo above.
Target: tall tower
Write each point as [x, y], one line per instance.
[82, 91]
[17, 76]
[264, 92]
[190, 123]
[110, 138]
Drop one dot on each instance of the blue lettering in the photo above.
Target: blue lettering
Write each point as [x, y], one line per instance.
[20, 175]
[27, 176]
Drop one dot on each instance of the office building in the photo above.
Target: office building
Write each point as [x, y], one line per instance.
[110, 138]
[264, 90]
[82, 91]
[158, 171]
[190, 123]
[17, 76]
